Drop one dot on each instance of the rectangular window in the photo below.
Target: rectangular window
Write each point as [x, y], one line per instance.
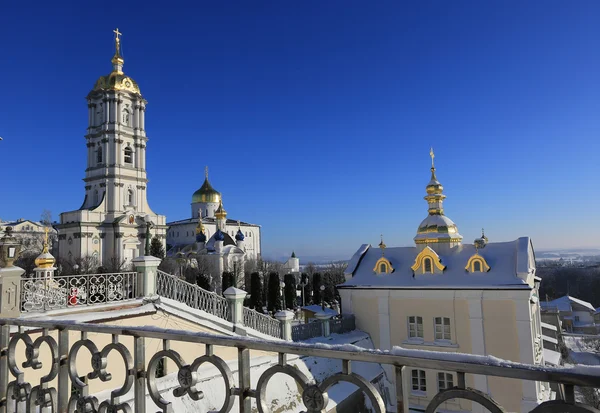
[442, 328]
[415, 327]
[419, 383]
[576, 318]
[445, 381]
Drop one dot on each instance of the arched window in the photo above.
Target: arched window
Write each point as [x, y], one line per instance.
[477, 266]
[130, 197]
[382, 267]
[128, 155]
[427, 264]
[99, 155]
[126, 117]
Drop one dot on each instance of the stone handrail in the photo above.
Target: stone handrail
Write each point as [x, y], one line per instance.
[53, 391]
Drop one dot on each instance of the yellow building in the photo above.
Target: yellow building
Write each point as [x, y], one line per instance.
[446, 296]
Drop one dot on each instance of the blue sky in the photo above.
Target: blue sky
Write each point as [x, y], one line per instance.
[316, 117]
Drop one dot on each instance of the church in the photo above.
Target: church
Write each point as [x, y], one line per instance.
[445, 295]
[114, 218]
[209, 216]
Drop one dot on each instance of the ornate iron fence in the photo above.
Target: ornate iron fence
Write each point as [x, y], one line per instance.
[261, 322]
[305, 331]
[53, 391]
[343, 324]
[42, 294]
[173, 287]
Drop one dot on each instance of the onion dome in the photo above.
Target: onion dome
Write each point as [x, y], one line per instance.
[116, 80]
[206, 193]
[219, 236]
[220, 213]
[45, 259]
[200, 235]
[239, 236]
[436, 227]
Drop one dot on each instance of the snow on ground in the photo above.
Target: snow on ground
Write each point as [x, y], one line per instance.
[581, 350]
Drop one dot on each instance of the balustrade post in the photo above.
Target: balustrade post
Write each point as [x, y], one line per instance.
[285, 319]
[146, 268]
[401, 394]
[10, 297]
[4, 340]
[244, 379]
[139, 361]
[63, 370]
[235, 299]
[324, 318]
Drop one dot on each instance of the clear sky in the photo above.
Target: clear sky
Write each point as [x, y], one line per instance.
[316, 117]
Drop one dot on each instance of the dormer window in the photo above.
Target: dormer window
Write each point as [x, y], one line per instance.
[428, 262]
[383, 266]
[99, 155]
[477, 264]
[128, 155]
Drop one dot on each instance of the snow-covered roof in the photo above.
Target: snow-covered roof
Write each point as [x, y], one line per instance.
[550, 339]
[317, 309]
[549, 326]
[210, 220]
[510, 264]
[565, 303]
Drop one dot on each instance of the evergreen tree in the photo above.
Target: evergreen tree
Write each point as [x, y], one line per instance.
[316, 284]
[156, 248]
[256, 292]
[307, 289]
[290, 290]
[203, 281]
[227, 280]
[274, 301]
[329, 292]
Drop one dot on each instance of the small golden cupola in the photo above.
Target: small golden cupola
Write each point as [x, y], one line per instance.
[477, 262]
[44, 263]
[220, 213]
[436, 228]
[383, 265]
[116, 80]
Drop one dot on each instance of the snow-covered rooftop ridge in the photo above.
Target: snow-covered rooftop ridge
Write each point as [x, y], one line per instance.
[549, 326]
[565, 302]
[511, 266]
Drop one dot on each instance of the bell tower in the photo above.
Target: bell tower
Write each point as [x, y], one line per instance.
[115, 208]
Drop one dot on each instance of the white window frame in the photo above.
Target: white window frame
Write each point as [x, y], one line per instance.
[445, 381]
[442, 331]
[415, 326]
[418, 382]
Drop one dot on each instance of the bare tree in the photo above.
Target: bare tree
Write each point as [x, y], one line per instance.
[310, 269]
[46, 218]
[590, 396]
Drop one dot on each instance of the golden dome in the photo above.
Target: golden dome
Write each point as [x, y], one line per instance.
[436, 227]
[45, 259]
[117, 81]
[206, 193]
[220, 213]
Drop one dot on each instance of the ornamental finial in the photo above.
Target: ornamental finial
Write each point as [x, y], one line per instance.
[206, 172]
[117, 59]
[432, 156]
[46, 229]
[382, 246]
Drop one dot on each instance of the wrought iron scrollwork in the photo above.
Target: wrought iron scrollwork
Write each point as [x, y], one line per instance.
[468, 394]
[261, 386]
[366, 386]
[83, 403]
[39, 396]
[187, 376]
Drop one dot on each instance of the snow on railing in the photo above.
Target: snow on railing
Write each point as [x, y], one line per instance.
[62, 388]
[42, 294]
[192, 295]
[261, 322]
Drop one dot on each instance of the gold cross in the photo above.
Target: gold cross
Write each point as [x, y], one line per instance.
[432, 156]
[118, 33]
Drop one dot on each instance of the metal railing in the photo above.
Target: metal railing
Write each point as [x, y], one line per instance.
[42, 294]
[54, 391]
[305, 331]
[173, 287]
[343, 324]
[261, 322]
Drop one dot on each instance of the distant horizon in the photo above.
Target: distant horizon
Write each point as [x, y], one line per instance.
[316, 118]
